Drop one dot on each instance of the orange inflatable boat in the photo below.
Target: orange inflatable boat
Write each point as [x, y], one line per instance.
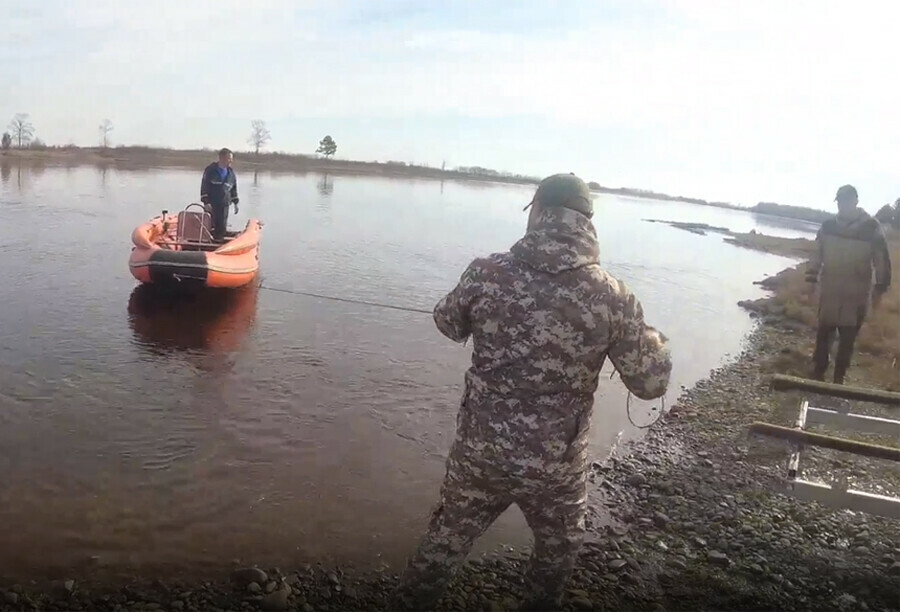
[180, 248]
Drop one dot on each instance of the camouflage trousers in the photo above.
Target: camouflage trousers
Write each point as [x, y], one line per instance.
[472, 498]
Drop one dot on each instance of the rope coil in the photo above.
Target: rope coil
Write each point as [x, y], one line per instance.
[662, 407]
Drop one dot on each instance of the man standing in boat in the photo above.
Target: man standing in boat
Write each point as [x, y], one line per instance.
[543, 317]
[218, 189]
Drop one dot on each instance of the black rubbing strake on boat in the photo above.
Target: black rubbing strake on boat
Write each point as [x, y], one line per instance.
[166, 265]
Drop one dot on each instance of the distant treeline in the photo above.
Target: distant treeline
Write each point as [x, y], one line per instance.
[654, 195]
[21, 136]
[128, 155]
[792, 212]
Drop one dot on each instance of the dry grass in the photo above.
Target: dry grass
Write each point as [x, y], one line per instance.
[788, 247]
[878, 347]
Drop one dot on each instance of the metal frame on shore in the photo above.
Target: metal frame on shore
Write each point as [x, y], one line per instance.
[837, 494]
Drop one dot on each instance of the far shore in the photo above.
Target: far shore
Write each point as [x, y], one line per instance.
[140, 157]
[797, 248]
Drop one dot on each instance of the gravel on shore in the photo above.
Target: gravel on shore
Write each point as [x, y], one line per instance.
[690, 517]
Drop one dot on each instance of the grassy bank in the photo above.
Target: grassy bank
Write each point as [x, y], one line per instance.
[786, 247]
[877, 361]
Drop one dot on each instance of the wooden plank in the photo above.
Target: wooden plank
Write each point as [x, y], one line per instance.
[853, 422]
[812, 439]
[782, 382]
[860, 501]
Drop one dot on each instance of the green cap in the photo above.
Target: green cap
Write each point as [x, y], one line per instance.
[846, 193]
[564, 191]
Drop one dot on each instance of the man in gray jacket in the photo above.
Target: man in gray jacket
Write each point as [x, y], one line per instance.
[850, 246]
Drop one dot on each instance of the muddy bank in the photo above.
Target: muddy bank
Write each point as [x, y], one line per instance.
[697, 524]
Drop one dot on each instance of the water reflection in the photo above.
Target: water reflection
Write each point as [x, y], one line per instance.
[166, 320]
[325, 186]
[37, 169]
[26, 174]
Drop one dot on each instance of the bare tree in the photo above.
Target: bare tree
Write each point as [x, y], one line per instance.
[106, 127]
[327, 147]
[22, 130]
[259, 134]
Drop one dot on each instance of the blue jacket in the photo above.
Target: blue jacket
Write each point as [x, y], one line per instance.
[215, 189]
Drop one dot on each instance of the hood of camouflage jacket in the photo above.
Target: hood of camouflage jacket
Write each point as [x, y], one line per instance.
[560, 240]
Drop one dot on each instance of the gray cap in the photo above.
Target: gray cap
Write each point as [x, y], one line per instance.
[565, 191]
[846, 193]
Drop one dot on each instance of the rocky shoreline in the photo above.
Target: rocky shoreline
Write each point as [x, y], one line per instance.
[688, 518]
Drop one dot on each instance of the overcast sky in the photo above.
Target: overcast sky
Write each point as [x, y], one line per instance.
[739, 101]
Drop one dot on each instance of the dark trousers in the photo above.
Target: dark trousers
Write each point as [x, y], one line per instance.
[824, 341]
[219, 220]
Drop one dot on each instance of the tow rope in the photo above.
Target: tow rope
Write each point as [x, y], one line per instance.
[662, 400]
[347, 300]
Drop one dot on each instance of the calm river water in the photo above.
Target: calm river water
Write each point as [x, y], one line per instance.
[277, 428]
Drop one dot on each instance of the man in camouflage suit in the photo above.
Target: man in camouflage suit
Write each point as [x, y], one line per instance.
[543, 316]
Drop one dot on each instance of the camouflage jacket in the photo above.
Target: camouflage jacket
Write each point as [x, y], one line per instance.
[543, 318]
